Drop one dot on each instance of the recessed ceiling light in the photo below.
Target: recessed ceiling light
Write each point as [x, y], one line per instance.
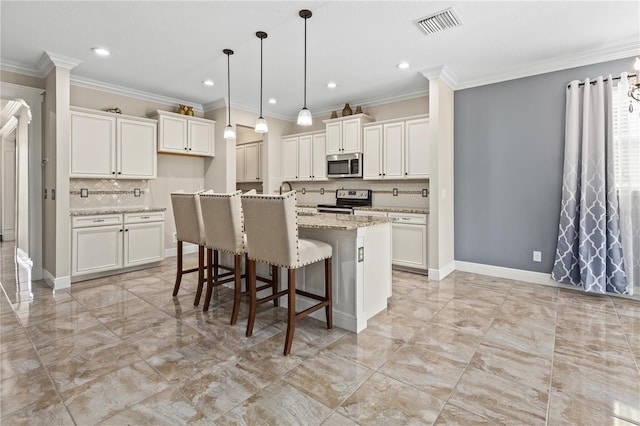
[331, 85]
[208, 83]
[272, 101]
[101, 51]
[403, 65]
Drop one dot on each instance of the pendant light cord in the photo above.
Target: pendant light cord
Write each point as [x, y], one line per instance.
[261, 77]
[229, 87]
[305, 62]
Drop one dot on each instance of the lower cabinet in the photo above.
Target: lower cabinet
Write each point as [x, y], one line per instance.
[103, 243]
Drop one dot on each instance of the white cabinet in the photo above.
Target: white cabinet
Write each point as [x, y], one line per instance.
[103, 243]
[344, 135]
[248, 159]
[396, 149]
[105, 145]
[183, 134]
[303, 157]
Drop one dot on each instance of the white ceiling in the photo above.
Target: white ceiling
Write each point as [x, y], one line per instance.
[168, 48]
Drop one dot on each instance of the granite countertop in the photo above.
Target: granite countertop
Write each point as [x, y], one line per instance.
[342, 222]
[310, 206]
[114, 210]
[395, 209]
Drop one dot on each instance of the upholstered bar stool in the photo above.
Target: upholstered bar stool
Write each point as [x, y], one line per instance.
[224, 230]
[189, 228]
[272, 235]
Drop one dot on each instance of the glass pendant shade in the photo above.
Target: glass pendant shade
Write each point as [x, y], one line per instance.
[229, 132]
[261, 125]
[304, 117]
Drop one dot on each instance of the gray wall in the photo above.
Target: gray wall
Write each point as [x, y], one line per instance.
[509, 148]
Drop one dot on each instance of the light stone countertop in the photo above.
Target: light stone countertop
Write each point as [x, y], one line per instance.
[343, 222]
[395, 209]
[310, 206]
[114, 210]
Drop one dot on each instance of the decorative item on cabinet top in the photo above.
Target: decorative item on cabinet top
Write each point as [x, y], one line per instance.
[185, 134]
[114, 110]
[346, 111]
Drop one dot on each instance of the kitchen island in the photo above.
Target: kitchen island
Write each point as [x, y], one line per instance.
[361, 266]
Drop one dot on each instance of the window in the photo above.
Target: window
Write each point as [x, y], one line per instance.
[626, 137]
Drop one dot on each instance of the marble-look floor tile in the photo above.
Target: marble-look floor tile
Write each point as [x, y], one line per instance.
[123, 311]
[45, 332]
[115, 294]
[568, 411]
[16, 340]
[393, 327]
[268, 355]
[278, 403]
[509, 363]
[534, 340]
[46, 413]
[18, 362]
[217, 389]
[367, 348]
[103, 397]
[466, 317]
[336, 419]
[36, 312]
[627, 307]
[584, 300]
[328, 378]
[136, 323]
[156, 339]
[314, 332]
[499, 399]
[382, 400]
[456, 416]
[529, 312]
[24, 390]
[450, 343]
[168, 407]
[429, 371]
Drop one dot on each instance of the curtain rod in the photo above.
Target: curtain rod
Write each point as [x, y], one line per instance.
[594, 81]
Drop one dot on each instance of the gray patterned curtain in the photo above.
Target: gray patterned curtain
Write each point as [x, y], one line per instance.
[589, 251]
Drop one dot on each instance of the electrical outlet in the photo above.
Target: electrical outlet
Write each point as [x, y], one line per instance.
[53, 195]
[45, 193]
[304, 191]
[360, 254]
[174, 237]
[537, 256]
[425, 192]
[321, 191]
[84, 192]
[136, 192]
[395, 192]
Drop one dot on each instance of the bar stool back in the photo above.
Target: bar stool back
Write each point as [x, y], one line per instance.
[272, 236]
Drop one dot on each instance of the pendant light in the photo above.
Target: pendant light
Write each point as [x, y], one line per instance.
[304, 116]
[261, 123]
[229, 131]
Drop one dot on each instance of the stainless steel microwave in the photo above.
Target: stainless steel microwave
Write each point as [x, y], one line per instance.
[344, 165]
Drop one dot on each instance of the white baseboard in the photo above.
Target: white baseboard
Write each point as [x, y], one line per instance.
[56, 283]
[440, 274]
[23, 258]
[509, 273]
[187, 248]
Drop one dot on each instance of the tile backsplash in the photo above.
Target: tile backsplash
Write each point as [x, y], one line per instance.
[108, 193]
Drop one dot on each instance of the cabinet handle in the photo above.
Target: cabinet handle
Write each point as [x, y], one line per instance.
[126, 230]
[145, 217]
[405, 173]
[189, 149]
[119, 173]
[113, 173]
[186, 149]
[379, 174]
[98, 220]
[120, 230]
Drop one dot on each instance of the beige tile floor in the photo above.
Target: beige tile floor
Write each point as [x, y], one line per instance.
[467, 350]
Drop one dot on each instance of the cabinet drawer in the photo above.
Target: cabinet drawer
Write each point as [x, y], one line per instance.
[409, 218]
[375, 213]
[98, 220]
[143, 217]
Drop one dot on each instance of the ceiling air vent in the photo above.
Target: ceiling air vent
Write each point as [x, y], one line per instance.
[439, 21]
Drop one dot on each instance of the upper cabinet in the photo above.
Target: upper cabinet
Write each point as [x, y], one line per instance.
[397, 149]
[184, 134]
[248, 159]
[344, 135]
[304, 157]
[106, 145]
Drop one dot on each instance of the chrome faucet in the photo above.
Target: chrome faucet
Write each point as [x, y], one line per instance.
[288, 183]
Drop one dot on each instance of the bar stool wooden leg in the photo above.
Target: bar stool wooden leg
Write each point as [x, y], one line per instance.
[251, 277]
[291, 310]
[210, 282]
[200, 275]
[275, 280]
[176, 287]
[216, 265]
[237, 288]
[327, 292]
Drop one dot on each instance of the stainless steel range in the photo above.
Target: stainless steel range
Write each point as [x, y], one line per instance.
[346, 200]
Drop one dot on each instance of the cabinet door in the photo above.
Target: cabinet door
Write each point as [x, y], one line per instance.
[319, 160]
[200, 137]
[240, 150]
[93, 146]
[417, 149]
[305, 160]
[172, 135]
[409, 245]
[252, 162]
[334, 138]
[372, 155]
[351, 136]
[137, 153]
[96, 249]
[393, 150]
[143, 243]
[290, 159]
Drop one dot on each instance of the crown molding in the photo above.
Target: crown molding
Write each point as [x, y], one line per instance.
[133, 93]
[213, 105]
[443, 73]
[18, 68]
[370, 102]
[594, 56]
[49, 60]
